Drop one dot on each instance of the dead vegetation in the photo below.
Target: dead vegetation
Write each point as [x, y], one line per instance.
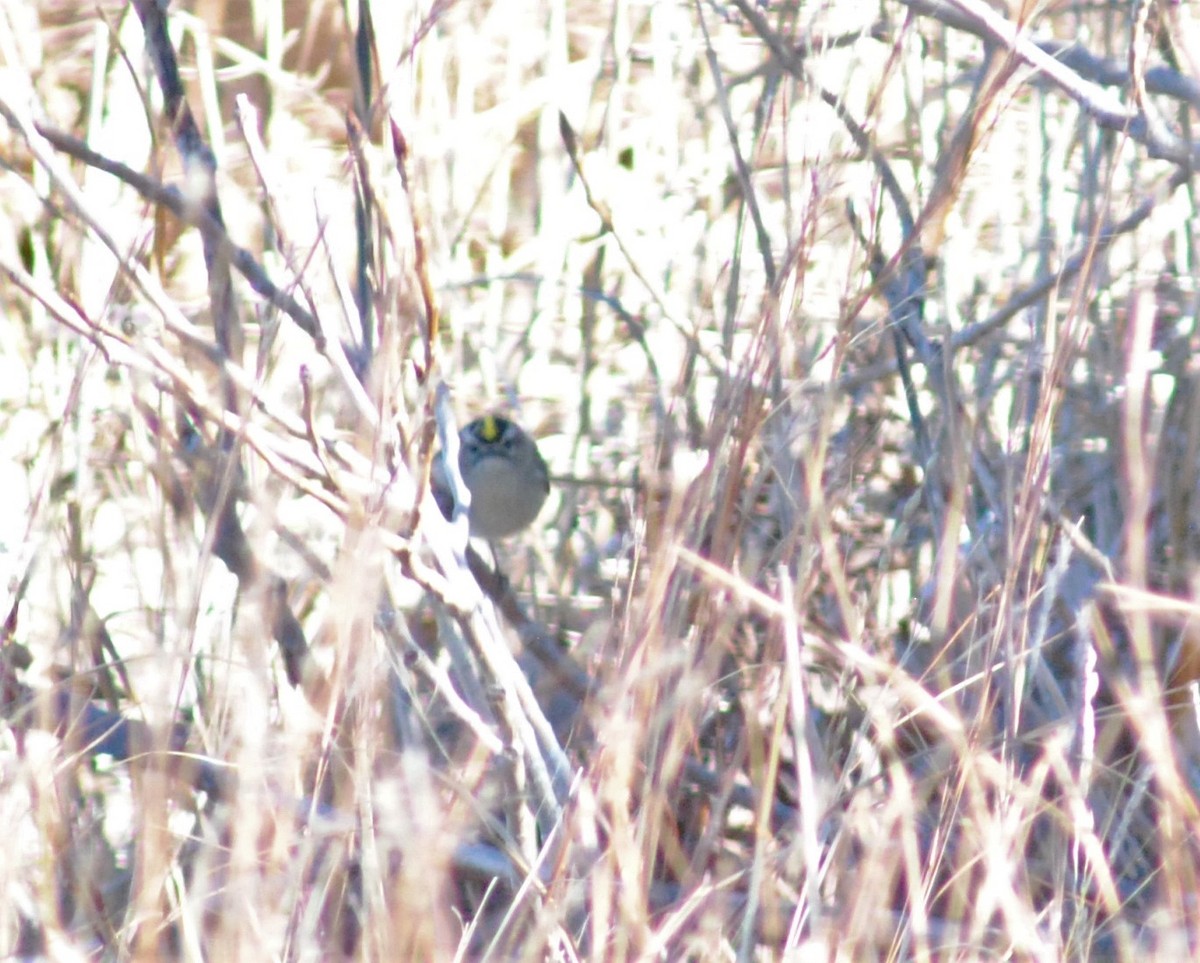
[860, 340]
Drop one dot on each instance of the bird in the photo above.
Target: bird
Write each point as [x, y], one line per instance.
[505, 473]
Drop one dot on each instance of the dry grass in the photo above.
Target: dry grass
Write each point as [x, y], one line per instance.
[862, 622]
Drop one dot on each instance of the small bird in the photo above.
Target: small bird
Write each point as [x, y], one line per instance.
[504, 470]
